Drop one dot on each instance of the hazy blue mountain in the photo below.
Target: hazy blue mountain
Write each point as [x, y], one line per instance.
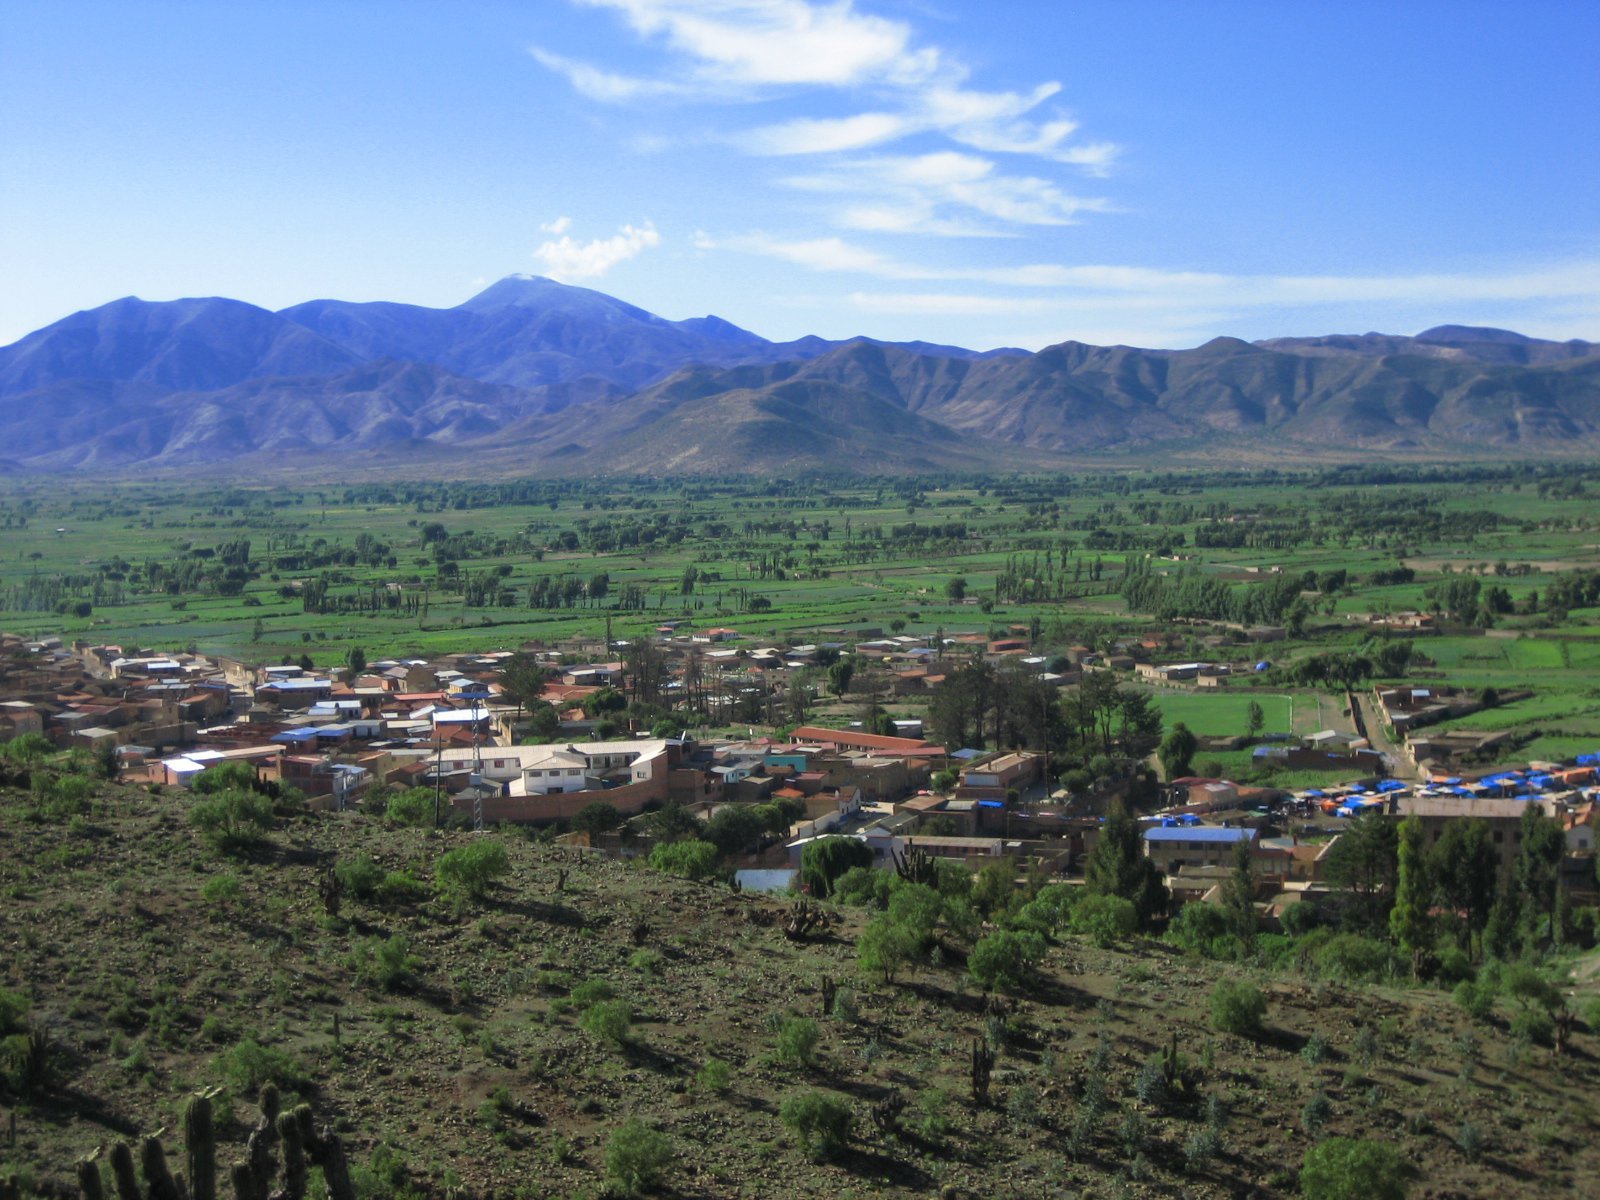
[533, 375]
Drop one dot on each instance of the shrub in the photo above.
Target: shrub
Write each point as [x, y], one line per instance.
[827, 858]
[609, 1021]
[13, 1007]
[1299, 919]
[1353, 1169]
[384, 962]
[1237, 1007]
[691, 860]
[467, 871]
[637, 1157]
[1105, 919]
[1351, 956]
[400, 887]
[865, 887]
[1470, 1141]
[1535, 1025]
[248, 1065]
[1202, 929]
[596, 817]
[715, 1076]
[232, 821]
[592, 991]
[360, 876]
[819, 1122]
[1050, 910]
[1203, 1145]
[1315, 1049]
[1476, 998]
[412, 807]
[1316, 1112]
[886, 945]
[1005, 960]
[797, 1041]
[220, 891]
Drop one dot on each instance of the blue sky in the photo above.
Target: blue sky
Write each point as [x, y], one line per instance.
[985, 174]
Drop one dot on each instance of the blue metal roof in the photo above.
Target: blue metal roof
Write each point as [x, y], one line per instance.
[1199, 833]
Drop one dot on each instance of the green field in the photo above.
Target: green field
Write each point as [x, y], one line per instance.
[274, 572]
[1225, 713]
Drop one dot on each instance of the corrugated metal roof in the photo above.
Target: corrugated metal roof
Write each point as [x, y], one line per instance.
[1198, 833]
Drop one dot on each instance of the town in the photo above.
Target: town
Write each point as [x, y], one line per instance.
[550, 738]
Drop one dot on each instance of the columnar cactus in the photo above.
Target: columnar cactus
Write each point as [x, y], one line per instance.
[304, 1146]
[122, 1172]
[200, 1148]
[158, 1179]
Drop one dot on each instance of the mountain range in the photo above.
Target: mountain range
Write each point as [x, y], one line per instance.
[532, 376]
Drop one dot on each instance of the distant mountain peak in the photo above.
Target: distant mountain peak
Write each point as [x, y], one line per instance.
[1458, 334]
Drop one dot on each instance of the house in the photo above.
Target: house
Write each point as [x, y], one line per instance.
[1178, 847]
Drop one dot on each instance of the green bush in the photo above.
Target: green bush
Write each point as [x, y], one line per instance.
[827, 858]
[1050, 910]
[1535, 1025]
[715, 1077]
[609, 1021]
[400, 887]
[886, 945]
[1202, 929]
[232, 821]
[360, 876]
[1006, 960]
[1105, 919]
[865, 887]
[13, 1007]
[819, 1122]
[220, 891]
[1353, 1169]
[1237, 1007]
[637, 1157]
[466, 872]
[60, 797]
[248, 1065]
[591, 991]
[384, 962]
[797, 1041]
[1476, 998]
[691, 860]
[412, 807]
[1353, 957]
[1299, 919]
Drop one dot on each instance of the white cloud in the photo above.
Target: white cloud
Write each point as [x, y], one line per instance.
[605, 86]
[559, 226]
[943, 192]
[1150, 306]
[811, 136]
[761, 42]
[745, 50]
[567, 260]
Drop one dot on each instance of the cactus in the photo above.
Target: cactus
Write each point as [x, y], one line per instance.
[916, 866]
[982, 1068]
[803, 918]
[159, 1184]
[294, 1156]
[830, 991]
[89, 1179]
[122, 1172]
[200, 1149]
[304, 1146]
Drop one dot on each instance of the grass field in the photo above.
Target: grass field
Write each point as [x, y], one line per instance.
[1224, 713]
[272, 573]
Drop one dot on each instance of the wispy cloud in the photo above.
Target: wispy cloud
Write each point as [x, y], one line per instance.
[567, 260]
[1152, 306]
[748, 50]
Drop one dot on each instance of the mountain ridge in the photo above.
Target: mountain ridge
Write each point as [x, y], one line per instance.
[555, 378]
